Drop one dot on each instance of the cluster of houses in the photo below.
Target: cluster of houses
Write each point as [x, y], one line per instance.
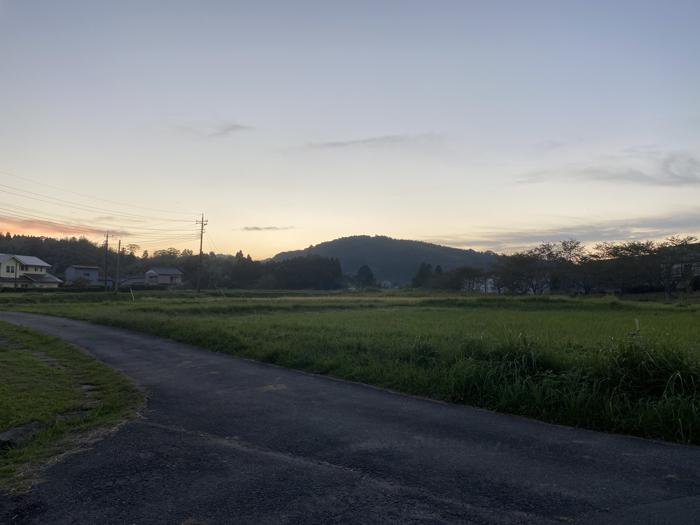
[26, 271]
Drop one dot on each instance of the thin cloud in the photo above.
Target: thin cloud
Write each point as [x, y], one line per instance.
[265, 228]
[214, 131]
[228, 129]
[51, 228]
[640, 228]
[550, 145]
[673, 169]
[383, 141]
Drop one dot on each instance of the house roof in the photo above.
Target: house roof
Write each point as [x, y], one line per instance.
[165, 271]
[83, 267]
[28, 260]
[19, 279]
[42, 278]
[133, 280]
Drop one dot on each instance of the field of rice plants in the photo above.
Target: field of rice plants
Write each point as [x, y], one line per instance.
[604, 364]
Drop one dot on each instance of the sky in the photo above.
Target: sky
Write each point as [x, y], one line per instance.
[476, 124]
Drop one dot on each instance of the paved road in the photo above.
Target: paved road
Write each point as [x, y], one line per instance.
[226, 440]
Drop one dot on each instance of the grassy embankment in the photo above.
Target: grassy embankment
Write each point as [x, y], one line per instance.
[597, 363]
[59, 391]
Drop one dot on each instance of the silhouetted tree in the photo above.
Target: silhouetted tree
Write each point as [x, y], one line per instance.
[365, 277]
[423, 275]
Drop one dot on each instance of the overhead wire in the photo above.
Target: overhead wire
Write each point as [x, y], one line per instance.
[134, 232]
[4, 172]
[32, 195]
[22, 213]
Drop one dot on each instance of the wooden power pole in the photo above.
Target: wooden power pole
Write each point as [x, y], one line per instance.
[119, 253]
[106, 258]
[202, 223]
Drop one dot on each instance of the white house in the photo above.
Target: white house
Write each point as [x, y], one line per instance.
[685, 270]
[25, 271]
[164, 277]
[89, 275]
[487, 285]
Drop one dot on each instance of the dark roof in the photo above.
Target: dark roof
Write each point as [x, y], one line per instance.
[133, 280]
[19, 279]
[165, 271]
[42, 278]
[27, 260]
[83, 267]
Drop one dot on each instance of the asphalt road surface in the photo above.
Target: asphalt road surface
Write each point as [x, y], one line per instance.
[227, 440]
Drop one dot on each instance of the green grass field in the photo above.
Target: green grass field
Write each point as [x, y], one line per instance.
[60, 389]
[604, 364]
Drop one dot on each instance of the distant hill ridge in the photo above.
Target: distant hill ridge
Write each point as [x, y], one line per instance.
[394, 260]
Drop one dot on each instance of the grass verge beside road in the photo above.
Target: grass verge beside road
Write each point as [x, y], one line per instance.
[603, 364]
[53, 398]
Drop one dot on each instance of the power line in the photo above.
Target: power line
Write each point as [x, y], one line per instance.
[32, 195]
[59, 220]
[88, 196]
[212, 245]
[162, 235]
[141, 235]
[165, 241]
[68, 226]
[144, 238]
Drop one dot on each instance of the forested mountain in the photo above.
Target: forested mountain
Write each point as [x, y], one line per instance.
[395, 260]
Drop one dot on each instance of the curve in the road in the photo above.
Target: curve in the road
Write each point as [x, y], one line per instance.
[227, 440]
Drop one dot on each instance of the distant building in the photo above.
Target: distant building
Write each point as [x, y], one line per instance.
[129, 281]
[164, 277]
[25, 271]
[685, 270]
[686, 275]
[90, 275]
[488, 285]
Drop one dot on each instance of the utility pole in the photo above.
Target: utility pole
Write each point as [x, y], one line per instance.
[106, 258]
[119, 253]
[202, 223]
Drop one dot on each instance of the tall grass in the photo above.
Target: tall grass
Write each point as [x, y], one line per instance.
[602, 364]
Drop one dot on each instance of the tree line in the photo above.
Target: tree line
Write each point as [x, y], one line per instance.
[218, 271]
[566, 266]
[569, 267]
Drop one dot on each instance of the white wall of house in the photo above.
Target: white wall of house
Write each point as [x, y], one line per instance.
[9, 268]
[170, 279]
[154, 278]
[76, 273]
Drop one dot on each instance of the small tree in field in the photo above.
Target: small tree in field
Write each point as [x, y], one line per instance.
[423, 275]
[365, 277]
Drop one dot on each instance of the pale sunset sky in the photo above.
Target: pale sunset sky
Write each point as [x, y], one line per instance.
[481, 124]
